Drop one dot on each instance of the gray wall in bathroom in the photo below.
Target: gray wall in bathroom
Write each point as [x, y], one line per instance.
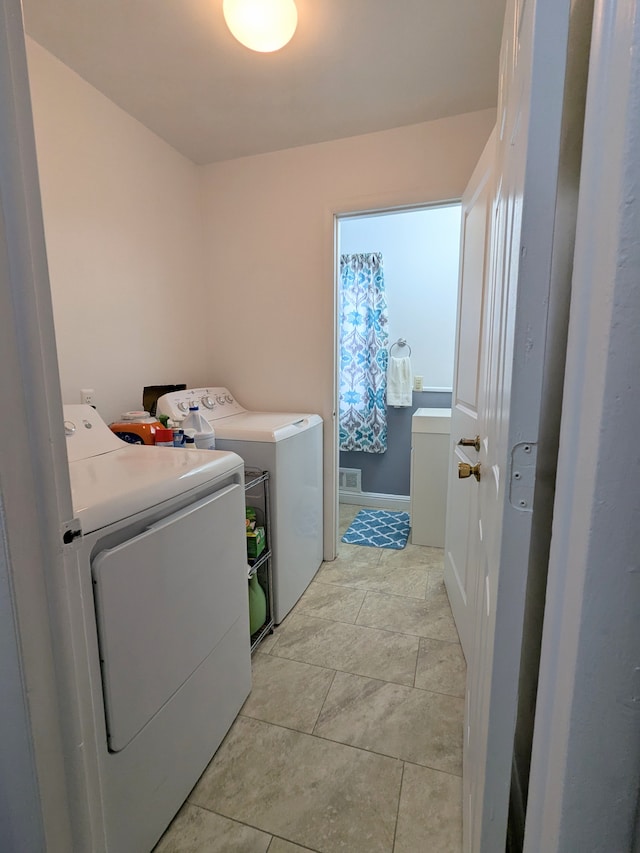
[389, 473]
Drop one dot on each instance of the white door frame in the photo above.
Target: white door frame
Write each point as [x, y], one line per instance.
[35, 495]
[585, 773]
[370, 206]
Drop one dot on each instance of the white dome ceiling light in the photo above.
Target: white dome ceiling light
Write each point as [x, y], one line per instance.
[262, 25]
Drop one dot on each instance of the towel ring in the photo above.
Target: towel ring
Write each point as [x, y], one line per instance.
[401, 342]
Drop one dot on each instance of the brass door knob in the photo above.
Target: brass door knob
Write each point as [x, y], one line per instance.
[471, 442]
[465, 470]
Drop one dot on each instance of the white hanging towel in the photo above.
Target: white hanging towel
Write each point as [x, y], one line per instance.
[399, 382]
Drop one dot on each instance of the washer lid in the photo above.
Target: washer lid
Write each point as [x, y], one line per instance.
[122, 482]
[264, 426]
[87, 434]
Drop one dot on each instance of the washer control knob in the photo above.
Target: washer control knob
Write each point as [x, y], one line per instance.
[69, 428]
[207, 401]
[183, 406]
[229, 398]
[220, 399]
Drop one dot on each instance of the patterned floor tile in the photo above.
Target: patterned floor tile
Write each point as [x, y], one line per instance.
[350, 648]
[428, 618]
[441, 667]
[409, 581]
[286, 692]
[330, 601]
[403, 722]
[313, 792]
[195, 830]
[430, 814]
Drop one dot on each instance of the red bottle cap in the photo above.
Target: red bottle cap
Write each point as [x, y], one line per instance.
[163, 435]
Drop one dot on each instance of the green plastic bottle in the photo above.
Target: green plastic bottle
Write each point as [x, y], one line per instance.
[257, 605]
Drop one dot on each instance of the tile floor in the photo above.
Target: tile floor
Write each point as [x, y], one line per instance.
[351, 739]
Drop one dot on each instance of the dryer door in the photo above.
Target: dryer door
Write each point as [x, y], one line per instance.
[164, 599]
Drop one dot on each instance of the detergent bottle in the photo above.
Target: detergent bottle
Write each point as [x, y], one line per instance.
[205, 437]
[136, 428]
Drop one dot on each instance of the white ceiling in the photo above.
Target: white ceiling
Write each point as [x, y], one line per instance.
[353, 66]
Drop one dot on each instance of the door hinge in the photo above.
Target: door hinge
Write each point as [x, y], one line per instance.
[523, 475]
[71, 530]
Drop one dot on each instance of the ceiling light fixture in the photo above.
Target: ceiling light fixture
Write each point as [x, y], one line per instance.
[262, 25]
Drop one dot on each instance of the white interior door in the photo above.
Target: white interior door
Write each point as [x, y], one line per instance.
[461, 539]
[516, 343]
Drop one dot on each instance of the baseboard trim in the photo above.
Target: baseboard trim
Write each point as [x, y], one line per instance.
[399, 502]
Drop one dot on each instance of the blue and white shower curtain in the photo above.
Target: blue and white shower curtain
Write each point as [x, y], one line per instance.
[363, 354]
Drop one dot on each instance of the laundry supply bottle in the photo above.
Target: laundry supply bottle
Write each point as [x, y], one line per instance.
[164, 437]
[257, 605]
[205, 436]
[136, 428]
[178, 433]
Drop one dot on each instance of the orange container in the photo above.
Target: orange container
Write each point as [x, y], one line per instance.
[136, 428]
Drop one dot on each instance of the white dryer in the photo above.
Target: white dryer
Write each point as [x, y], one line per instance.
[162, 620]
[289, 446]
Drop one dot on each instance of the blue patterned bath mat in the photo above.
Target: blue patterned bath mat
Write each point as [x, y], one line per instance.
[378, 528]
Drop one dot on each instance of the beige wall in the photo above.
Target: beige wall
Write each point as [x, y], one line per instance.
[269, 225]
[123, 224]
[163, 271]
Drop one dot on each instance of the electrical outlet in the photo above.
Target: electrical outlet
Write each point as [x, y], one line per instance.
[88, 396]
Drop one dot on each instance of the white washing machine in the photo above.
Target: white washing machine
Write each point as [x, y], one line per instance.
[289, 446]
[162, 619]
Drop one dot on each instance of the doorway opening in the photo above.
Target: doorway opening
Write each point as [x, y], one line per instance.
[396, 312]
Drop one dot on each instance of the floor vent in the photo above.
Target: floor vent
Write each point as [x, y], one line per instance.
[350, 480]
